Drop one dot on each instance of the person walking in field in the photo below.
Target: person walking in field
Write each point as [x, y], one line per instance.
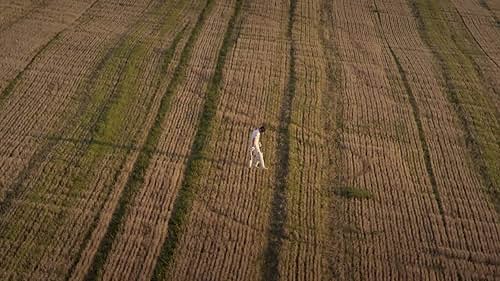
[256, 157]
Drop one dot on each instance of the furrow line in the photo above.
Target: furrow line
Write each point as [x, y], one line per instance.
[333, 109]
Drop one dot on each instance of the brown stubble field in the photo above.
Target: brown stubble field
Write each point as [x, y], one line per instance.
[124, 132]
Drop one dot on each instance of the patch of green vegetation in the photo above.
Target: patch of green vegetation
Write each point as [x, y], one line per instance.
[6, 92]
[350, 229]
[350, 192]
[114, 120]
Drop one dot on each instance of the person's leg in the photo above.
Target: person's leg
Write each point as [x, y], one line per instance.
[260, 158]
[250, 163]
[256, 157]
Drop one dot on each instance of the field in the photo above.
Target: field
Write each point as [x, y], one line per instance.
[124, 128]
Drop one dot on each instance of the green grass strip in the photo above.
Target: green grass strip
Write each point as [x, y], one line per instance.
[109, 126]
[194, 166]
[137, 177]
[333, 110]
[278, 215]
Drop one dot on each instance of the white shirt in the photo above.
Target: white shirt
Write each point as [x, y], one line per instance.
[255, 138]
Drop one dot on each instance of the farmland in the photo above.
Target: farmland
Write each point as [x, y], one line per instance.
[124, 140]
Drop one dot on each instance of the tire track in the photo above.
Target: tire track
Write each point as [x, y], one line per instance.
[310, 252]
[334, 123]
[278, 215]
[10, 86]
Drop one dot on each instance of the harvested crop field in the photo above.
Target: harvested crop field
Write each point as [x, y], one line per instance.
[125, 124]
